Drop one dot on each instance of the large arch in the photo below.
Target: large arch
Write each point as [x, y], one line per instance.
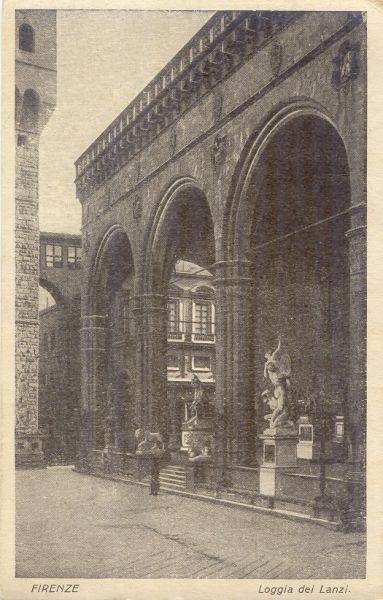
[184, 194]
[291, 187]
[236, 229]
[181, 228]
[30, 112]
[54, 291]
[113, 240]
[108, 348]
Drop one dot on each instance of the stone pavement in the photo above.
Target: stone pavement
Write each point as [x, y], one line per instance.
[76, 526]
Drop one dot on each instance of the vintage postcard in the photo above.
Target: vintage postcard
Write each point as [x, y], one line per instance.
[191, 300]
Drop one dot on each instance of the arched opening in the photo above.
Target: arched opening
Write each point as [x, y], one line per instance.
[300, 194]
[190, 346]
[29, 120]
[59, 375]
[112, 295]
[49, 293]
[182, 256]
[26, 38]
[184, 232]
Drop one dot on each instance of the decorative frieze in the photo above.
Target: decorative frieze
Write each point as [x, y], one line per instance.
[212, 54]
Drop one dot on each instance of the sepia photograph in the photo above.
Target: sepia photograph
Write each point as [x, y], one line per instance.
[190, 299]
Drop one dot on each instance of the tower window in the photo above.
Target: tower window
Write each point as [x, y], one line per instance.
[26, 38]
[29, 119]
[21, 140]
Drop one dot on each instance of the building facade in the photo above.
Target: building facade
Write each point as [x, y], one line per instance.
[59, 348]
[35, 75]
[245, 155]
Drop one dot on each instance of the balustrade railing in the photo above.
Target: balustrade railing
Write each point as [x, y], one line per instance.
[203, 337]
[176, 336]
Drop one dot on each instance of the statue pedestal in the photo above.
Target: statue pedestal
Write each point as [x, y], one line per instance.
[279, 454]
[196, 433]
[29, 452]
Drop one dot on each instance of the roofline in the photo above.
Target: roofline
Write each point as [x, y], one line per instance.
[158, 74]
[60, 236]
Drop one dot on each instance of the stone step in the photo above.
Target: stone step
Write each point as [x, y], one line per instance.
[169, 485]
[172, 474]
[166, 480]
[171, 477]
[175, 468]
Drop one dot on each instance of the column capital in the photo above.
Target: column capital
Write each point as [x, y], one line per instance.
[145, 303]
[93, 331]
[93, 322]
[233, 272]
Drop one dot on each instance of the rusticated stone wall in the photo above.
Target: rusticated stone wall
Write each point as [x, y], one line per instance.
[35, 74]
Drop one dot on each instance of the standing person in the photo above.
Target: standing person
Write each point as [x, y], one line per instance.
[155, 476]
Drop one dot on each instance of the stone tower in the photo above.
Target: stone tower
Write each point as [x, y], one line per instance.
[35, 78]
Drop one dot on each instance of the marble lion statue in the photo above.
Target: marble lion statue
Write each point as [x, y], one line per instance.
[148, 441]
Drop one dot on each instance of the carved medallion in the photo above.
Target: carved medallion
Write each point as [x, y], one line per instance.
[346, 64]
[172, 142]
[275, 58]
[137, 208]
[218, 150]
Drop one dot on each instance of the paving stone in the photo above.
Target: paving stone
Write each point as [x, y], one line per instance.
[72, 525]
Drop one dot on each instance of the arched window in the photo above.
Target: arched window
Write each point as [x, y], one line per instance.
[204, 290]
[26, 38]
[30, 111]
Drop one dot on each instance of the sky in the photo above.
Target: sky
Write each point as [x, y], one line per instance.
[104, 59]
